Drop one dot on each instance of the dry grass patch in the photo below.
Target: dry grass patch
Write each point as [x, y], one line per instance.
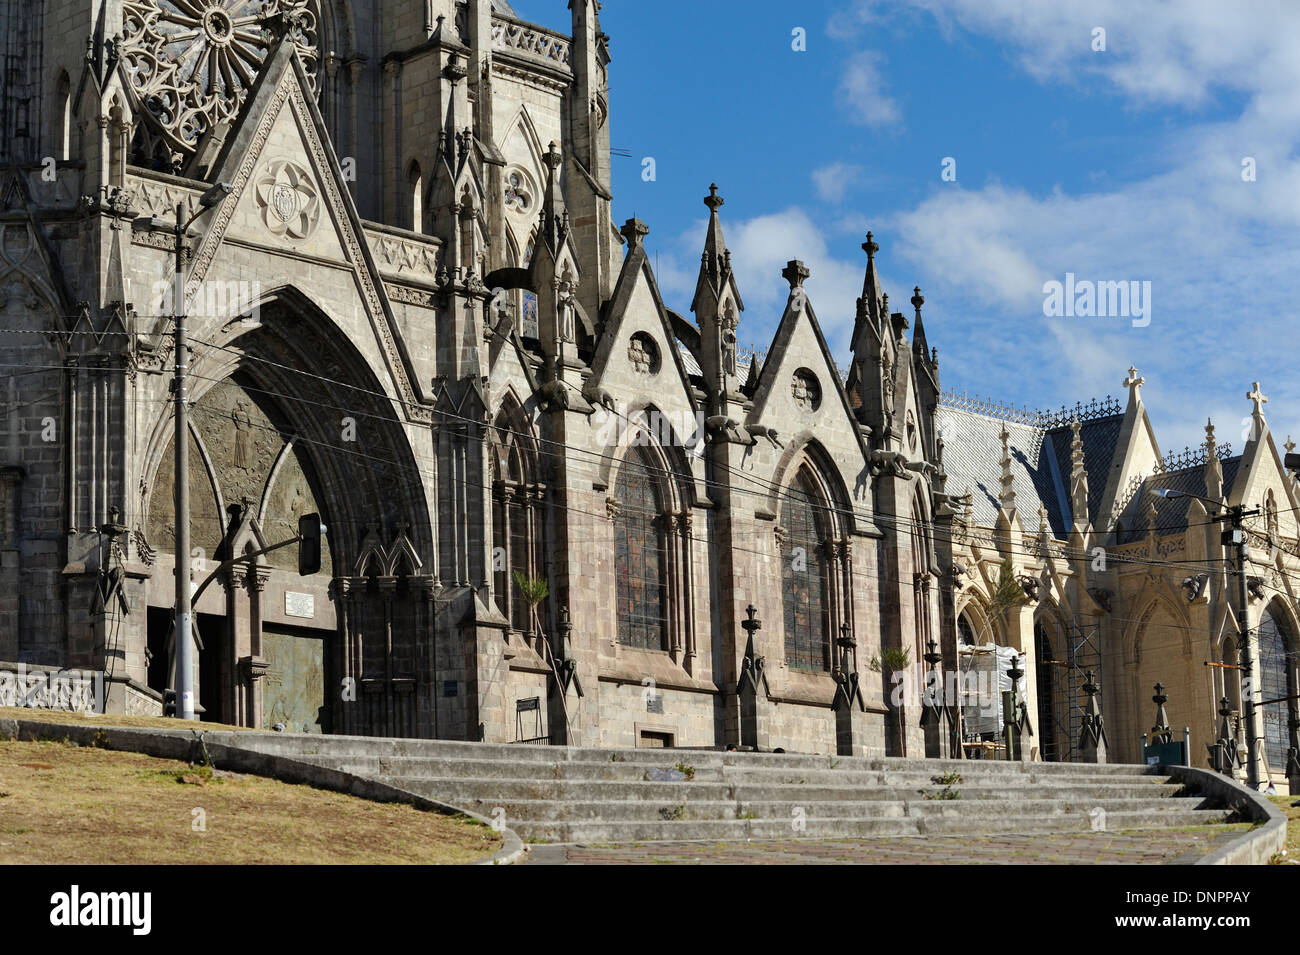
[1292, 813]
[113, 719]
[65, 804]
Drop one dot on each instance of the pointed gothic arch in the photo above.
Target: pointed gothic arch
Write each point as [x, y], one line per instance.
[807, 556]
[518, 515]
[1050, 636]
[653, 552]
[413, 211]
[1279, 672]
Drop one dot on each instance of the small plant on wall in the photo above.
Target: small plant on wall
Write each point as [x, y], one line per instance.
[892, 660]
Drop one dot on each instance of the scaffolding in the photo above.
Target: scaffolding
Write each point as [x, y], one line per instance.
[1067, 704]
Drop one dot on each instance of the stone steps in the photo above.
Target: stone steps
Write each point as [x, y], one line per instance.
[620, 830]
[732, 772]
[543, 811]
[570, 794]
[291, 744]
[461, 789]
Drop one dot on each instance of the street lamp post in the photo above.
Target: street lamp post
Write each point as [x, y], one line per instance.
[1235, 536]
[183, 632]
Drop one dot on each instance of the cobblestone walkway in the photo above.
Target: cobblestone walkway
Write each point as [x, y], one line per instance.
[1141, 847]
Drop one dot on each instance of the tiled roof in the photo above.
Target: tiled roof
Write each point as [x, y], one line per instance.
[972, 454]
[695, 371]
[1100, 438]
[1040, 464]
[1171, 513]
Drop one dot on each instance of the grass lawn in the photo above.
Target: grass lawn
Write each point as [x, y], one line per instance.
[1292, 824]
[113, 719]
[61, 803]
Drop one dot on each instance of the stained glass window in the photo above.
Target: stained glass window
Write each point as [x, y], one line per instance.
[803, 581]
[639, 558]
[528, 305]
[1272, 668]
[517, 538]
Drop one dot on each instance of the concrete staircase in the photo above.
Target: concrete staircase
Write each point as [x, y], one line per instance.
[564, 794]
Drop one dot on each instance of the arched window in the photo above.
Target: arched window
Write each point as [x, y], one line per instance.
[517, 522]
[528, 300]
[415, 181]
[640, 556]
[1274, 669]
[965, 632]
[804, 577]
[63, 119]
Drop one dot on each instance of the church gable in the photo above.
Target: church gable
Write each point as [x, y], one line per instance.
[799, 388]
[1136, 454]
[284, 206]
[1262, 481]
[637, 349]
[289, 195]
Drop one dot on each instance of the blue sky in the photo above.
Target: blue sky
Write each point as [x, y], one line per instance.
[1115, 165]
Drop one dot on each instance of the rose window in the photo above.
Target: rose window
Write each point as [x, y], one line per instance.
[192, 62]
[518, 192]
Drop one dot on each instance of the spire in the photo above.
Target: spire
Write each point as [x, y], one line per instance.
[554, 217]
[751, 377]
[1213, 469]
[1078, 475]
[869, 310]
[871, 282]
[715, 260]
[717, 307]
[919, 345]
[1008, 495]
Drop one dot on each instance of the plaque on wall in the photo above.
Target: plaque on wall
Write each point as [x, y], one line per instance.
[299, 605]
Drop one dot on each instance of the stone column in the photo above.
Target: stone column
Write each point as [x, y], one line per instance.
[752, 690]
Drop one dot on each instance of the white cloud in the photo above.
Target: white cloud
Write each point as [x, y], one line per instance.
[834, 180]
[1220, 253]
[760, 248]
[862, 92]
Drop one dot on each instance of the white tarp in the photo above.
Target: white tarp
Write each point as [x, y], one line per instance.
[985, 678]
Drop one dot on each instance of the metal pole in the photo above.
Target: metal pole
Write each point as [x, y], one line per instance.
[184, 609]
[1251, 686]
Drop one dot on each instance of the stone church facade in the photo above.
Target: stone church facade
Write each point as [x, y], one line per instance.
[558, 509]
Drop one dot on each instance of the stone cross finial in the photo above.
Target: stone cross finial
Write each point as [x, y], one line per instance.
[713, 200]
[917, 301]
[553, 156]
[634, 230]
[1133, 383]
[1259, 399]
[794, 273]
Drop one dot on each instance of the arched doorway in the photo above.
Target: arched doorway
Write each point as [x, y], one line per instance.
[1049, 732]
[287, 418]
